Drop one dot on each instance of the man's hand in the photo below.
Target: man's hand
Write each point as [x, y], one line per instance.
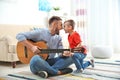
[35, 49]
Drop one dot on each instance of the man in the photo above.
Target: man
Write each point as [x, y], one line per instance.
[53, 65]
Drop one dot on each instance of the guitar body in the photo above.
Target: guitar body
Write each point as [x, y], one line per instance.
[25, 54]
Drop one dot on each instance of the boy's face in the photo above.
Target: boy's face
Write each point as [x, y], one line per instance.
[67, 27]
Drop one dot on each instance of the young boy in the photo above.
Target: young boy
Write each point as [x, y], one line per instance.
[75, 42]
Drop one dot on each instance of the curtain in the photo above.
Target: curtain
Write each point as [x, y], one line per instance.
[80, 11]
[98, 22]
[115, 24]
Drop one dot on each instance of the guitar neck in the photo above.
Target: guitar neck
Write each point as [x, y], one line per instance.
[53, 50]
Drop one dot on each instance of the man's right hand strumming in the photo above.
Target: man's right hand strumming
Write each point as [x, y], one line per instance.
[35, 49]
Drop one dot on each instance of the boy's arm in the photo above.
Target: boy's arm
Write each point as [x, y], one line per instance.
[79, 45]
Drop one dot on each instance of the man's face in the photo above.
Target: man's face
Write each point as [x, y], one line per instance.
[60, 25]
[56, 26]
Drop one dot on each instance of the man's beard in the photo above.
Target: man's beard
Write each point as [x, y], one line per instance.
[57, 32]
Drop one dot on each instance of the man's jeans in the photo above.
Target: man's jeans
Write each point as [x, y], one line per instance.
[78, 59]
[51, 65]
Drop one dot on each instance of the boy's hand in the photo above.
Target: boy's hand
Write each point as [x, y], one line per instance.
[67, 53]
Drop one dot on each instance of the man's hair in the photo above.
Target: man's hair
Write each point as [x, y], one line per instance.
[53, 18]
[70, 22]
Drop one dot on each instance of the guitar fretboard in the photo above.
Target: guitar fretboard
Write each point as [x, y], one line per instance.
[53, 50]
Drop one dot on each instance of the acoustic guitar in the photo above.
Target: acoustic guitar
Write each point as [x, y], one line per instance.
[24, 54]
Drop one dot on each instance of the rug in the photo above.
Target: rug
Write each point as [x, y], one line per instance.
[106, 61]
[100, 72]
[6, 78]
[2, 78]
[27, 75]
[104, 70]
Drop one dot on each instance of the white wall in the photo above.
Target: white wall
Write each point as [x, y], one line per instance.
[21, 12]
[26, 11]
[65, 6]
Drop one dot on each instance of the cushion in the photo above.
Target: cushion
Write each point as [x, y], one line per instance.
[102, 51]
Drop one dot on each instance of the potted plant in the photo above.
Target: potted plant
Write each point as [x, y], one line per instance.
[56, 8]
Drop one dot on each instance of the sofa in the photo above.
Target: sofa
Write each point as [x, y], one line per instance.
[8, 41]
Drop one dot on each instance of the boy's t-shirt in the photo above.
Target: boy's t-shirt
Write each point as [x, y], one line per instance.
[74, 39]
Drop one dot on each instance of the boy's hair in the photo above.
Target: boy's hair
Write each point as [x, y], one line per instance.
[71, 23]
[53, 18]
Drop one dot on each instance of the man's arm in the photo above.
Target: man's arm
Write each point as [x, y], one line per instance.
[25, 36]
